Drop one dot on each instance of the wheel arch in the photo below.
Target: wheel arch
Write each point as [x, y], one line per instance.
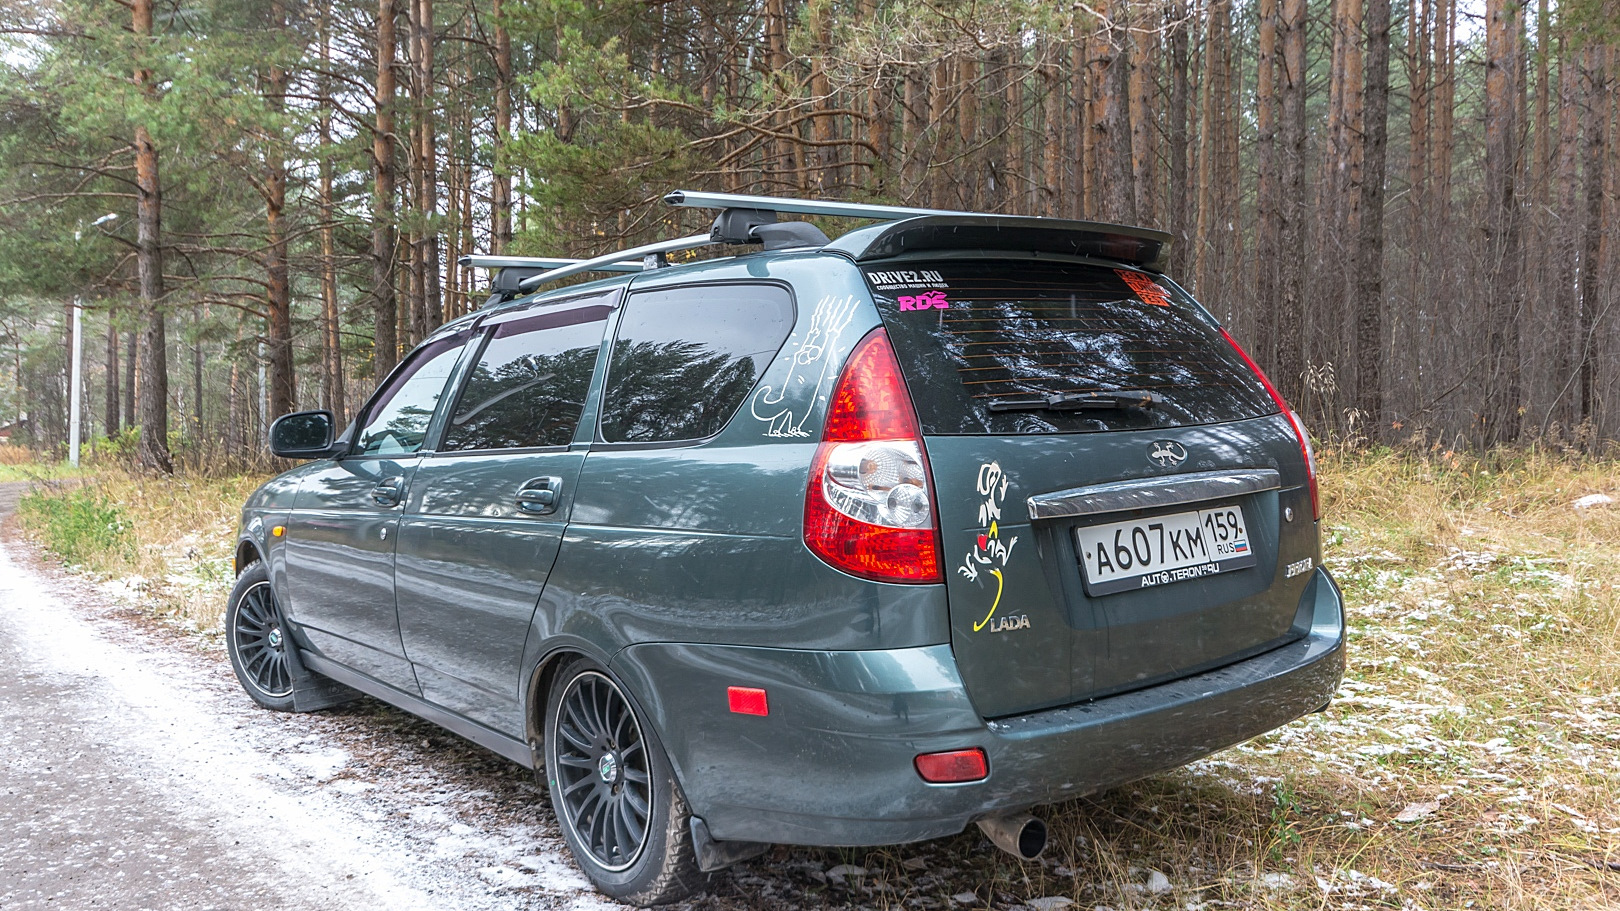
[247, 553]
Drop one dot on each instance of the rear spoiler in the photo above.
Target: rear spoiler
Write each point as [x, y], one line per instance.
[1143, 248]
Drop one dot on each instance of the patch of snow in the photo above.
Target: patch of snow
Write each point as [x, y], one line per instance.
[1593, 499]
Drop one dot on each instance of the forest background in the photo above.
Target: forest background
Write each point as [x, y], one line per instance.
[1404, 209]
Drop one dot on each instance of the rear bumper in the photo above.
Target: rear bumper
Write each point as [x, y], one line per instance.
[832, 763]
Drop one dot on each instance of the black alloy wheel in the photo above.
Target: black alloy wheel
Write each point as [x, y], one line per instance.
[614, 793]
[604, 780]
[257, 641]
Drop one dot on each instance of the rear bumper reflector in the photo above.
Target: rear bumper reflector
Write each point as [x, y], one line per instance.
[953, 767]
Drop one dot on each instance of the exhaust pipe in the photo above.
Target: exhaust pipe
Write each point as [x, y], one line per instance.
[1021, 835]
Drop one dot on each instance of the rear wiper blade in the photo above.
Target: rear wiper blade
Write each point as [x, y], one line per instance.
[1103, 400]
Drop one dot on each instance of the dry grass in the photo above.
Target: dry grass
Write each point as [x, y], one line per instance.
[174, 558]
[1472, 758]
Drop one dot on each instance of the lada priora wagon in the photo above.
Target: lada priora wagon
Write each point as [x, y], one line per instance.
[827, 543]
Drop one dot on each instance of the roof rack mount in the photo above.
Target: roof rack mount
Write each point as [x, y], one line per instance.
[698, 200]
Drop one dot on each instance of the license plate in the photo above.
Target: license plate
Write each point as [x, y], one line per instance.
[1143, 553]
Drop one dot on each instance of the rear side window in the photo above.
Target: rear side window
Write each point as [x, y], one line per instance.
[1016, 347]
[685, 358]
[529, 387]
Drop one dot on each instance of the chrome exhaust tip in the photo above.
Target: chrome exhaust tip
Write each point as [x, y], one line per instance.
[1021, 835]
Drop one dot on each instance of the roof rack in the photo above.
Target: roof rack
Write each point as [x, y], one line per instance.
[694, 200]
[541, 262]
[653, 251]
[752, 219]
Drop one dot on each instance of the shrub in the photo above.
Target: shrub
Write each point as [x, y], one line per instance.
[79, 525]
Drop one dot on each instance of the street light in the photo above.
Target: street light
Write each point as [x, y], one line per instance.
[76, 386]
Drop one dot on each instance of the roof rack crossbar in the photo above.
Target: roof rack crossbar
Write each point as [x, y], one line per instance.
[541, 262]
[697, 200]
[597, 264]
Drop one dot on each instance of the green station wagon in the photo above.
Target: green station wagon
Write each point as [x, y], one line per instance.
[825, 543]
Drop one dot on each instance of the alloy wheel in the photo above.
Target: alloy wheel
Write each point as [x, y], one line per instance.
[260, 642]
[603, 773]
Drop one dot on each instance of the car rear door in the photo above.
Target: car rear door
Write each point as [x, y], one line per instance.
[1057, 382]
[490, 504]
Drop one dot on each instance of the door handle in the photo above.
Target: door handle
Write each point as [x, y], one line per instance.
[539, 496]
[387, 492]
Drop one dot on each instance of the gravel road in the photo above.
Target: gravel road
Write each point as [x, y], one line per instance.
[135, 775]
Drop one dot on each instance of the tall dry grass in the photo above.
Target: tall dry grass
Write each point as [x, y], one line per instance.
[1471, 760]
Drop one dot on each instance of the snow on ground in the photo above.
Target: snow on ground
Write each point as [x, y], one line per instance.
[333, 801]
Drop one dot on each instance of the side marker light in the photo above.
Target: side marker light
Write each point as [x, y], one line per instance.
[279, 530]
[747, 700]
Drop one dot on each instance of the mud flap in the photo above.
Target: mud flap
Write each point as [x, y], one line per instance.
[311, 691]
[717, 855]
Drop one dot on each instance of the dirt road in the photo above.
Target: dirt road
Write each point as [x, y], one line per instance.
[134, 776]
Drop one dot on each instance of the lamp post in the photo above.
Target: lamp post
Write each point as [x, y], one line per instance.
[76, 383]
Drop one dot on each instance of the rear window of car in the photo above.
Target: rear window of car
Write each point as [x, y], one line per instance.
[1017, 347]
[685, 358]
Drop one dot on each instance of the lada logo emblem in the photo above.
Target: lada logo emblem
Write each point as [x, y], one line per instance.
[1167, 454]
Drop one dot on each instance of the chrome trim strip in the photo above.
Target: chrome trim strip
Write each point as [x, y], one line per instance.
[1152, 493]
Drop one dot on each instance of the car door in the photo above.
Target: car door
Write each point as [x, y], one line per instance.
[489, 507]
[343, 529]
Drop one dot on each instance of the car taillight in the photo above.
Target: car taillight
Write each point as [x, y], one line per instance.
[1300, 435]
[868, 509]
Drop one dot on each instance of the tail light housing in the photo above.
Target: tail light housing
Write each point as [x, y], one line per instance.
[1300, 435]
[869, 507]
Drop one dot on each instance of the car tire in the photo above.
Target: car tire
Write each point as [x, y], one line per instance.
[257, 641]
[614, 792]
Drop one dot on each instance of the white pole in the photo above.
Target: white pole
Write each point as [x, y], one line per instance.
[75, 392]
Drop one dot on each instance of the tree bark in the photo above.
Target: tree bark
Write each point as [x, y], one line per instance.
[278, 295]
[1268, 217]
[109, 411]
[1369, 296]
[1500, 420]
[331, 319]
[153, 395]
[501, 180]
[1597, 91]
[1290, 373]
[385, 306]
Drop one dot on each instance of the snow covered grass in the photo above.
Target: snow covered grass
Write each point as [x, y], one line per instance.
[1471, 759]
[172, 553]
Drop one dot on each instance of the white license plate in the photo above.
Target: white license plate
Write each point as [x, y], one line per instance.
[1143, 553]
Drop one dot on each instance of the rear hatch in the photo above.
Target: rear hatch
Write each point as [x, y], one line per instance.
[1111, 477]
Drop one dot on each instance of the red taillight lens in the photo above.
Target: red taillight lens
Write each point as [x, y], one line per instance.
[954, 767]
[868, 509]
[1293, 421]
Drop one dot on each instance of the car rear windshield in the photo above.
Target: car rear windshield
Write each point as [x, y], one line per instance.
[1017, 347]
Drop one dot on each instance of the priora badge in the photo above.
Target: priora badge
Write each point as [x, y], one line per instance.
[1167, 454]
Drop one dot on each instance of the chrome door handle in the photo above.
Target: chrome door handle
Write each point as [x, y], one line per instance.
[387, 492]
[539, 496]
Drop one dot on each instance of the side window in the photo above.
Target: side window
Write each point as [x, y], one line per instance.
[397, 422]
[685, 358]
[530, 383]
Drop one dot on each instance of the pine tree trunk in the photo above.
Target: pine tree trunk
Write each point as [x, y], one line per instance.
[1500, 419]
[1369, 288]
[109, 409]
[385, 308]
[331, 319]
[153, 395]
[1180, 93]
[1597, 92]
[1291, 87]
[1268, 217]
[278, 295]
[500, 200]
